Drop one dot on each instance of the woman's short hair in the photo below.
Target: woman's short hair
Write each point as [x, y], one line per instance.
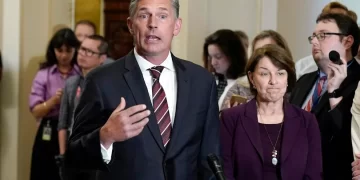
[232, 47]
[279, 57]
[275, 36]
[63, 37]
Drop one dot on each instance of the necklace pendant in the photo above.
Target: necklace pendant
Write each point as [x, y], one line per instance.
[274, 160]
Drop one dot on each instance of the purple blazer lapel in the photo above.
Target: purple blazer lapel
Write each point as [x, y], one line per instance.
[251, 126]
[291, 128]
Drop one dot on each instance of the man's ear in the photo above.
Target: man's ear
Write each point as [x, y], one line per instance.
[178, 24]
[129, 24]
[349, 41]
[103, 58]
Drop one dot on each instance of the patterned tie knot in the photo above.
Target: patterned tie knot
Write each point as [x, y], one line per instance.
[323, 78]
[156, 71]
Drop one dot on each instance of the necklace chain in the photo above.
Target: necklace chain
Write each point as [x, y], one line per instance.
[274, 146]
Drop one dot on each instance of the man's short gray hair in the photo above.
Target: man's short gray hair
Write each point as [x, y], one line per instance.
[133, 4]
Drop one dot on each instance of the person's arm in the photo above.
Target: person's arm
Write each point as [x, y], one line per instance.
[210, 142]
[96, 128]
[355, 121]
[313, 169]
[233, 90]
[65, 115]
[84, 142]
[1, 67]
[40, 107]
[227, 128]
[337, 114]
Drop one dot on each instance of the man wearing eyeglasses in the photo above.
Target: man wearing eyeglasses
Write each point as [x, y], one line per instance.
[91, 54]
[329, 91]
[306, 65]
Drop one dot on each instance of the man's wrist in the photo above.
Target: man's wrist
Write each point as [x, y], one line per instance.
[105, 139]
[334, 93]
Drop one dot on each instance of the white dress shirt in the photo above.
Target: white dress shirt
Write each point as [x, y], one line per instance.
[305, 65]
[167, 80]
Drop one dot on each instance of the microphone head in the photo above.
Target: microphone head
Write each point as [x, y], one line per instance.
[211, 157]
[213, 162]
[334, 56]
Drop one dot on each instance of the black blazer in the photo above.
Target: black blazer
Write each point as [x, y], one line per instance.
[335, 124]
[195, 132]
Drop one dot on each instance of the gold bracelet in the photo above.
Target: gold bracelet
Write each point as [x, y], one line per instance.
[44, 104]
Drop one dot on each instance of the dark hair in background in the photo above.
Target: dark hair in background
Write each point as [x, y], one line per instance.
[104, 46]
[232, 47]
[346, 26]
[353, 15]
[62, 37]
[86, 22]
[279, 57]
[242, 35]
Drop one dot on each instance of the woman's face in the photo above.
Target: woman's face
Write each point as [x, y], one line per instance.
[218, 60]
[269, 81]
[262, 42]
[64, 55]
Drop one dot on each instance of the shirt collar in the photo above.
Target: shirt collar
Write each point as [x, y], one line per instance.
[74, 70]
[145, 64]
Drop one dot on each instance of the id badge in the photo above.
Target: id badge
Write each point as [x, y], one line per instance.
[46, 136]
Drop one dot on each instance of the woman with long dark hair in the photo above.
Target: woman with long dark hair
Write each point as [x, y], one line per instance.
[44, 101]
[225, 56]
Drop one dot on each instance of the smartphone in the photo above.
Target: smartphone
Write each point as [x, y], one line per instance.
[238, 99]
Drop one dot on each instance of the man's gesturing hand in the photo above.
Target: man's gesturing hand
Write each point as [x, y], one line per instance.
[124, 124]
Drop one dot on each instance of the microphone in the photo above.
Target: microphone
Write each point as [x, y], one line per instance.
[334, 56]
[215, 166]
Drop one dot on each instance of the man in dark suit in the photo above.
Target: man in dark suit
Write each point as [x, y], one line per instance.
[328, 92]
[166, 122]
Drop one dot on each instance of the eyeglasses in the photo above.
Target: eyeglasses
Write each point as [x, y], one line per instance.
[321, 36]
[88, 52]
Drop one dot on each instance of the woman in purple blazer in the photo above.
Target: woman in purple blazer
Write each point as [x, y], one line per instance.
[268, 138]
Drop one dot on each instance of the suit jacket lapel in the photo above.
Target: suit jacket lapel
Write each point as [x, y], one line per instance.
[136, 83]
[183, 90]
[251, 127]
[303, 89]
[291, 129]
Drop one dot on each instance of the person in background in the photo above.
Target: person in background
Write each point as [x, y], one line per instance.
[329, 92]
[226, 55]
[84, 29]
[91, 54]
[44, 101]
[1, 67]
[244, 38]
[307, 64]
[268, 138]
[242, 87]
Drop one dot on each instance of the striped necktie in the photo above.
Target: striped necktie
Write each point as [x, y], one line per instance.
[160, 105]
[314, 100]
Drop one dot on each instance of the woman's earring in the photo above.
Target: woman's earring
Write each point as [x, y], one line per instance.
[254, 86]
